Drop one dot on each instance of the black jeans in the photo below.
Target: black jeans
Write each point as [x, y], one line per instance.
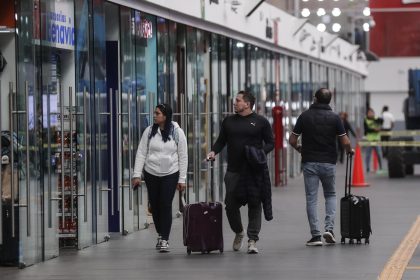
[161, 192]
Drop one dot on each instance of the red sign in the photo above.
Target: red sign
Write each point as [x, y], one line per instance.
[146, 29]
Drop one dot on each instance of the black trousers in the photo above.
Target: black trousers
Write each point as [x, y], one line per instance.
[385, 138]
[161, 192]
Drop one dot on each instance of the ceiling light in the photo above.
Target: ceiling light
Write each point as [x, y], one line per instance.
[366, 11]
[336, 12]
[321, 27]
[305, 12]
[321, 12]
[336, 27]
[320, 0]
[326, 19]
[366, 27]
[305, 0]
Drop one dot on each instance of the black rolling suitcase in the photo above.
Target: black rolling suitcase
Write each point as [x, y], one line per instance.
[355, 213]
[9, 248]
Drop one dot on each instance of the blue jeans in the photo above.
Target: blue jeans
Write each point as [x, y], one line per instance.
[314, 172]
[368, 152]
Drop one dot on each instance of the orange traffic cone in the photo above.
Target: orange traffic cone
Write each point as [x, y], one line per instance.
[375, 160]
[358, 177]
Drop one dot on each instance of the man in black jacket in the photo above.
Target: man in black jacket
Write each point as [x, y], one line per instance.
[320, 127]
[244, 128]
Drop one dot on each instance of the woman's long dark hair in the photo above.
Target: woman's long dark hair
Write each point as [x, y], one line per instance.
[167, 131]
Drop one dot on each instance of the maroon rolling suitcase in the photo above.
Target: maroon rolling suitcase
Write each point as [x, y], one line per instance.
[203, 227]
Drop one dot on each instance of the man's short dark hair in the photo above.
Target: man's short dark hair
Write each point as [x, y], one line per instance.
[248, 97]
[385, 108]
[323, 95]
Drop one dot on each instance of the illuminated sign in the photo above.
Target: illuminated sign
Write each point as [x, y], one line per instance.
[146, 29]
[60, 30]
[57, 25]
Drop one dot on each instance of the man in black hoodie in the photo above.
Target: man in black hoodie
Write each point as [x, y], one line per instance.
[244, 128]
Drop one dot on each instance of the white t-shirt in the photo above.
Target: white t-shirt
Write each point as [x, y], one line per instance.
[388, 120]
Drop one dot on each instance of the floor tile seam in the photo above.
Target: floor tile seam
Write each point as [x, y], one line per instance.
[395, 267]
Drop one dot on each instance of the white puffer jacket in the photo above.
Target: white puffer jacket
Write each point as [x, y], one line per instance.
[162, 158]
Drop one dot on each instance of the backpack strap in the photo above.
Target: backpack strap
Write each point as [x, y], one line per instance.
[175, 136]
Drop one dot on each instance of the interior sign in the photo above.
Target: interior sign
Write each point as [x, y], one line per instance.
[146, 29]
[60, 30]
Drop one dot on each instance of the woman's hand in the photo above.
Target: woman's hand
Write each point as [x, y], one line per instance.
[180, 187]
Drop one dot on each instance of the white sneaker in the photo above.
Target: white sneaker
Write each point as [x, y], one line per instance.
[164, 246]
[238, 241]
[252, 247]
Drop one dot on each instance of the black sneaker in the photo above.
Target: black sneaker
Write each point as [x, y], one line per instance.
[159, 243]
[329, 237]
[315, 241]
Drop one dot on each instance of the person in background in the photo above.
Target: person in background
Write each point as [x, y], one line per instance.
[347, 128]
[244, 128]
[162, 158]
[387, 125]
[372, 127]
[319, 128]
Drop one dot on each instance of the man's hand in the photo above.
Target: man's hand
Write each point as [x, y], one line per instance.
[180, 187]
[135, 182]
[299, 148]
[211, 156]
[351, 152]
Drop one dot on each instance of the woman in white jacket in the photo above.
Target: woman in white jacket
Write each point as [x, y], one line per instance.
[162, 158]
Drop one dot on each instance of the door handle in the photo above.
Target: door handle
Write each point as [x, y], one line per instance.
[71, 153]
[1, 179]
[130, 192]
[111, 148]
[62, 157]
[85, 151]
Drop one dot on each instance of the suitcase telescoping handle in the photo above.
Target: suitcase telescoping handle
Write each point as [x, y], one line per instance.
[347, 188]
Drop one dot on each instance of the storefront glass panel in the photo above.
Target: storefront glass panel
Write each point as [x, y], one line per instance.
[83, 115]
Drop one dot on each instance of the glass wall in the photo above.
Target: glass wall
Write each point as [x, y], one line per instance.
[296, 110]
[89, 74]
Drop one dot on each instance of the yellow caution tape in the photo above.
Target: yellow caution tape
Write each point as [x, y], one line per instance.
[400, 133]
[389, 143]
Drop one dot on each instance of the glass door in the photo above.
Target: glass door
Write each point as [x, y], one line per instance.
[25, 130]
[178, 93]
[102, 124]
[124, 107]
[204, 113]
[144, 99]
[84, 104]
[198, 114]
[9, 218]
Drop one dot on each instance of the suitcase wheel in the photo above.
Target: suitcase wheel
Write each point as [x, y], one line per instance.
[188, 251]
[366, 240]
[343, 240]
[221, 251]
[351, 241]
[359, 241]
